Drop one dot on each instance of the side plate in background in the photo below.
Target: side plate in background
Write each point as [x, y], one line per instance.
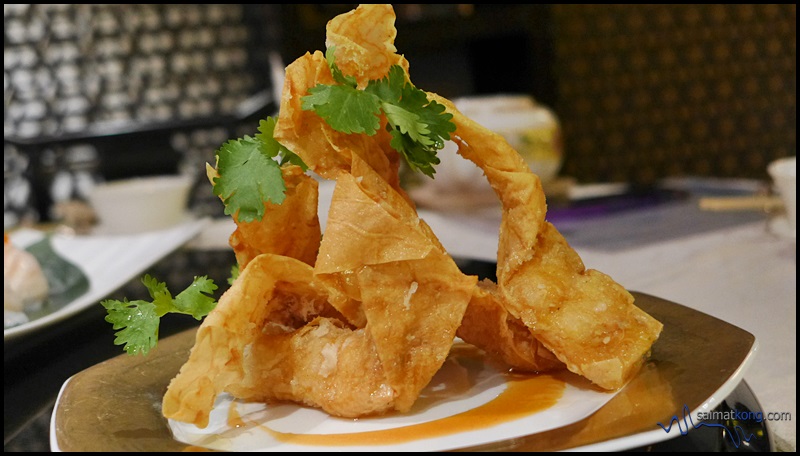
[67, 282]
[108, 262]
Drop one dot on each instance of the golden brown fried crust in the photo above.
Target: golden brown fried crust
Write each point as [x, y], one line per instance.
[323, 364]
[358, 323]
[291, 228]
[378, 254]
[488, 325]
[215, 361]
[584, 317]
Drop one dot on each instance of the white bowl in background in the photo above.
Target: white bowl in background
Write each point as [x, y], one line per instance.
[784, 175]
[139, 204]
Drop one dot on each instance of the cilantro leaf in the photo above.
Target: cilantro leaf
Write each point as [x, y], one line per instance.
[345, 108]
[234, 274]
[389, 88]
[269, 146]
[194, 300]
[407, 123]
[247, 178]
[162, 299]
[249, 172]
[138, 320]
[418, 157]
[432, 115]
[338, 76]
[419, 127]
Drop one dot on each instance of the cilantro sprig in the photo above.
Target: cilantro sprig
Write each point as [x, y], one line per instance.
[138, 320]
[249, 171]
[234, 274]
[419, 127]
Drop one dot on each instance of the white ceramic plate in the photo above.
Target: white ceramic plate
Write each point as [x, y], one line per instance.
[468, 403]
[108, 261]
[696, 363]
[236, 426]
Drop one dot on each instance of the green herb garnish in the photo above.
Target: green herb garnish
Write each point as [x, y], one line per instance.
[138, 320]
[250, 173]
[419, 127]
[234, 274]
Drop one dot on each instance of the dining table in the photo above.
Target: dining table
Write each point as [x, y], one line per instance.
[733, 265]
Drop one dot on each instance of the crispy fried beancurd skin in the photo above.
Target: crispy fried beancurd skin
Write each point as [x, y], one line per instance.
[326, 151]
[410, 299]
[488, 326]
[364, 42]
[216, 359]
[322, 364]
[406, 302]
[394, 306]
[583, 316]
[359, 322]
[291, 228]
[363, 229]
[390, 275]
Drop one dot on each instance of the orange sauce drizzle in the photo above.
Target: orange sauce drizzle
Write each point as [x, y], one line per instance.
[523, 395]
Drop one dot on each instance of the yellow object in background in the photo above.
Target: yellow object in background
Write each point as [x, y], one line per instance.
[529, 127]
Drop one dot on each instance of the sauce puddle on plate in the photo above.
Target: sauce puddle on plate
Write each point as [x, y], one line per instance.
[465, 369]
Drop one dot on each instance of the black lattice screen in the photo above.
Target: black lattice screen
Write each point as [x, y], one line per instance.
[105, 91]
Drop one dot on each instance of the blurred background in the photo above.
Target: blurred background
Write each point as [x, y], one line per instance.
[643, 92]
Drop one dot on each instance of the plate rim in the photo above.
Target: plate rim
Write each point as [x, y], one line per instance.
[658, 435]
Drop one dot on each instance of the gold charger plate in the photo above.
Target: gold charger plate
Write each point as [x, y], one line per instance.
[697, 362]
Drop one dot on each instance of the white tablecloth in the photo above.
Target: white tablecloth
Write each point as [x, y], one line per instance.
[741, 273]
